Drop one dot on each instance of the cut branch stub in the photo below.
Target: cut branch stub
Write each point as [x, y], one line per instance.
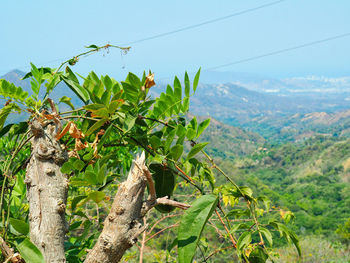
[122, 226]
[47, 192]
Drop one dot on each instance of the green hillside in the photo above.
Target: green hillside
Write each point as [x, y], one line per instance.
[229, 142]
[311, 178]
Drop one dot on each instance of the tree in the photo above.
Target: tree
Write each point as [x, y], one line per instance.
[68, 163]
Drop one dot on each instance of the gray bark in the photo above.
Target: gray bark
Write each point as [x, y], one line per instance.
[47, 193]
[122, 226]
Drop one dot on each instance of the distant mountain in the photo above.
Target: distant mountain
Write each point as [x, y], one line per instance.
[290, 86]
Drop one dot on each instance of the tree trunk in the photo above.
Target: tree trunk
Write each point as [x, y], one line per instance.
[122, 226]
[47, 193]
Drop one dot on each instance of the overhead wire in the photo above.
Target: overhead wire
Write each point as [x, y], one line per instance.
[204, 23]
[272, 53]
[280, 51]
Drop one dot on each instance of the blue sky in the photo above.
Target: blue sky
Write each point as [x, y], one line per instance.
[47, 32]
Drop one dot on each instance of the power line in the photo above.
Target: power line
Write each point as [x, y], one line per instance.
[273, 52]
[280, 51]
[205, 23]
[180, 29]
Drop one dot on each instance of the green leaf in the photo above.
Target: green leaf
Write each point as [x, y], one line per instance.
[244, 240]
[196, 149]
[196, 80]
[265, 201]
[67, 167]
[129, 123]
[78, 164]
[267, 234]
[20, 226]
[101, 175]
[192, 224]
[29, 252]
[134, 80]
[246, 191]
[193, 123]
[202, 126]
[106, 96]
[67, 101]
[95, 126]
[92, 46]
[44, 70]
[177, 92]
[176, 151]
[187, 85]
[155, 141]
[114, 105]
[96, 196]
[91, 177]
[5, 129]
[76, 201]
[10, 91]
[75, 225]
[186, 105]
[288, 234]
[169, 140]
[209, 175]
[72, 82]
[191, 133]
[131, 93]
[164, 179]
[258, 255]
[5, 112]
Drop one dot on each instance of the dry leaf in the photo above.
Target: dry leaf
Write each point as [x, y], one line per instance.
[79, 145]
[149, 82]
[64, 131]
[74, 132]
[95, 143]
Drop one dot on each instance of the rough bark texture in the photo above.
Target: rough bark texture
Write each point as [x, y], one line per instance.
[122, 226]
[47, 193]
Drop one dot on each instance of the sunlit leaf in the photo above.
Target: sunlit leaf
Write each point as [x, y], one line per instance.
[29, 252]
[192, 224]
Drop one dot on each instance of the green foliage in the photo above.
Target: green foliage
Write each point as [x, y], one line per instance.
[192, 224]
[29, 251]
[10, 91]
[164, 180]
[344, 232]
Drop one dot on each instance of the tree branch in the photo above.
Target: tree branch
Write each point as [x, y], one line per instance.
[122, 226]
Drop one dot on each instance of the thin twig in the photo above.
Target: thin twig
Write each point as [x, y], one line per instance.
[217, 251]
[75, 58]
[143, 240]
[160, 220]
[228, 232]
[160, 231]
